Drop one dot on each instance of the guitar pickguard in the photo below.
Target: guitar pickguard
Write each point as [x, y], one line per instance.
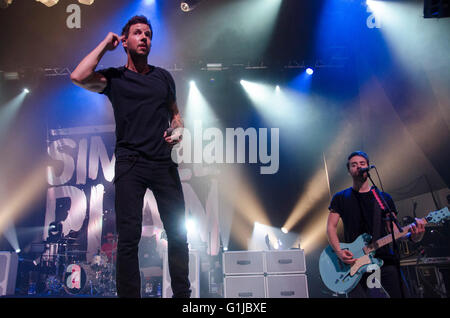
[365, 260]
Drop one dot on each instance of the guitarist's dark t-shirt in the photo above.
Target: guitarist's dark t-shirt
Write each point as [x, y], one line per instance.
[357, 211]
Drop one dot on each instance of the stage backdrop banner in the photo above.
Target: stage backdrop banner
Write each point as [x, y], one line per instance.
[80, 192]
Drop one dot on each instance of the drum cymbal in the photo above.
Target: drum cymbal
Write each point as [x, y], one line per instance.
[76, 252]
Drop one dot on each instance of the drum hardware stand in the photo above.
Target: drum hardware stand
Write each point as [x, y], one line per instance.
[421, 282]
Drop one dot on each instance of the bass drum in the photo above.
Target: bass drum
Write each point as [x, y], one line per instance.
[78, 279]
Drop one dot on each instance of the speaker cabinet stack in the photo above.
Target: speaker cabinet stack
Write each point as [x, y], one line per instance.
[8, 273]
[265, 274]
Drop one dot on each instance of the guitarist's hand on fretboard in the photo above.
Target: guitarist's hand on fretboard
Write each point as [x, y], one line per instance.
[417, 230]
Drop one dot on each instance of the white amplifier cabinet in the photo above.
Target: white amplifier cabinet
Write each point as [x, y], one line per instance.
[286, 261]
[243, 263]
[194, 275]
[8, 273]
[253, 286]
[287, 286]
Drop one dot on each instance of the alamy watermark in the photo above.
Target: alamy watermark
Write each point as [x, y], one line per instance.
[214, 146]
[374, 279]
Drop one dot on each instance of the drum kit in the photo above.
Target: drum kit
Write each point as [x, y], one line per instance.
[64, 271]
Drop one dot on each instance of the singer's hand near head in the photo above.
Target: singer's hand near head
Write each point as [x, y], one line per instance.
[112, 40]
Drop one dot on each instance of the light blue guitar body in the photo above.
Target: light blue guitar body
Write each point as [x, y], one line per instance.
[336, 274]
[342, 278]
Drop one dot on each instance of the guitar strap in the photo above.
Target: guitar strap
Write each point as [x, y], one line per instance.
[380, 208]
[377, 211]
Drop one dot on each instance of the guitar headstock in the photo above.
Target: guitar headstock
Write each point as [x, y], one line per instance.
[438, 216]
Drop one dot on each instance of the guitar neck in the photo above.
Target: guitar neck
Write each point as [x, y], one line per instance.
[385, 240]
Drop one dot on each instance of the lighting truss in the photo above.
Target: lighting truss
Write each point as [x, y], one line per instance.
[51, 3]
[189, 5]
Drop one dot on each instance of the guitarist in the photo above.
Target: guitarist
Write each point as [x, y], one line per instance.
[360, 213]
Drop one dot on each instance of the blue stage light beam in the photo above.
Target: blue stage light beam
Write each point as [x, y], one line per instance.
[75, 104]
[284, 107]
[301, 83]
[161, 51]
[8, 113]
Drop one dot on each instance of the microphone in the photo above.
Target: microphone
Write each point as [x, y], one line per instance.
[362, 170]
[169, 131]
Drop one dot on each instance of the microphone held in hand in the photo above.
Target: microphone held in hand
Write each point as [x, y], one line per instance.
[169, 131]
[174, 133]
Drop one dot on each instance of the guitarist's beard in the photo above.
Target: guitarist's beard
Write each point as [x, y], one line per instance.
[362, 178]
[359, 180]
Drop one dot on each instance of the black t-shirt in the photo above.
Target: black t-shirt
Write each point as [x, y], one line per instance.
[358, 212]
[141, 104]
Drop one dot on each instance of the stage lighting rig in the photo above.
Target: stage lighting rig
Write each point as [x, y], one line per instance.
[86, 2]
[189, 5]
[5, 3]
[48, 3]
[11, 76]
[51, 3]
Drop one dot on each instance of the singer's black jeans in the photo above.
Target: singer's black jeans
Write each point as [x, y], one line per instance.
[133, 175]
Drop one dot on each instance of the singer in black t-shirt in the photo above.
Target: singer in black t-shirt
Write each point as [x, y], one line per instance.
[360, 213]
[148, 124]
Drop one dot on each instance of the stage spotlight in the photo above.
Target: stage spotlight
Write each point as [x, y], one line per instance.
[284, 230]
[276, 245]
[309, 71]
[86, 2]
[189, 5]
[273, 242]
[26, 90]
[5, 3]
[190, 225]
[18, 251]
[277, 88]
[198, 108]
[48, 3]
[11, 236]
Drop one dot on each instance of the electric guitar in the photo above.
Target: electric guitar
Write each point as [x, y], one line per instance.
[342, 278]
